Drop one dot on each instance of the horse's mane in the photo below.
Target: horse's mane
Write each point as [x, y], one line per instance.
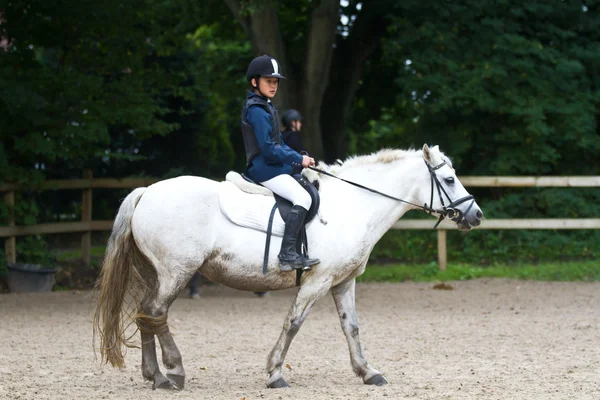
[383, 156]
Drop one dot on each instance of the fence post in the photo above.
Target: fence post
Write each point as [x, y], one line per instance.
[10, 243]
[442, 255]
[86, 216]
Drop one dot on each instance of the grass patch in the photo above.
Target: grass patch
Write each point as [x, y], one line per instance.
[75, 254]
[587, 271]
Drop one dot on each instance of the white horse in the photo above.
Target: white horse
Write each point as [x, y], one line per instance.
[167, 231]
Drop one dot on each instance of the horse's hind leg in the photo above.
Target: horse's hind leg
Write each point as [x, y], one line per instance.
[150, 369]
[343, 295]
[154, 322]
[306, 297]
[171, 358]
[150, 321]
[146, 324]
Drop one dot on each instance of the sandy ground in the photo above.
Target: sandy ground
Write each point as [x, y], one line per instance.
[487, 339]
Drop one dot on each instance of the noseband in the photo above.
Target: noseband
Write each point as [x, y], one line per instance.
[450, 211]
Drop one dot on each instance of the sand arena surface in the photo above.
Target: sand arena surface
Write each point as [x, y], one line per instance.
[487, 339]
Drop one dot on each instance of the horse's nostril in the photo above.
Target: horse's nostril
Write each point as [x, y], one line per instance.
[479, 214]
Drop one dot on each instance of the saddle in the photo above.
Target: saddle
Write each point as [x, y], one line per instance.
[247, 185]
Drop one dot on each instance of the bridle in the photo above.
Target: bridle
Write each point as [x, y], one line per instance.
[450, 211]
[447, 211]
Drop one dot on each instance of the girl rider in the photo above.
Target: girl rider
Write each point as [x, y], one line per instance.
[269, 160]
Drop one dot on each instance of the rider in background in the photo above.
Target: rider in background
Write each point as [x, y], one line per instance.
[269, 160]
[292, 125]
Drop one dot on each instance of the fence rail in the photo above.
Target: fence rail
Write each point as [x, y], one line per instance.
[87, 225]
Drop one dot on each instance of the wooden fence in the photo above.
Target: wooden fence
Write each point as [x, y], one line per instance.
[87, 225]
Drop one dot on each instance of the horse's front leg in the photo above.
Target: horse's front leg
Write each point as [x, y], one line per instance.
[306, 297]
[343, 295]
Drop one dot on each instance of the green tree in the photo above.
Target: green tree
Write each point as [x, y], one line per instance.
[74, 75]
[323, 47]
[507, 88]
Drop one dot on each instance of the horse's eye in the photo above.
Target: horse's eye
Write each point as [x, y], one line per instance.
[449, 180]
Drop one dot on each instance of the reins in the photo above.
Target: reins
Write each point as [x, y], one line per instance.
[446, 211]
[371, 190]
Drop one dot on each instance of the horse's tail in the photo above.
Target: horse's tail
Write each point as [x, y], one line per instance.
[116, 279]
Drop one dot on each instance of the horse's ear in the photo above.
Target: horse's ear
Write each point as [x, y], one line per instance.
[426, 153]
[435, 149]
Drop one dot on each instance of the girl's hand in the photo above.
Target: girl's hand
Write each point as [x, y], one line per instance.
[308, 162]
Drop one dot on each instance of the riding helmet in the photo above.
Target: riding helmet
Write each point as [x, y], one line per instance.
[289, 116]
[264, 66]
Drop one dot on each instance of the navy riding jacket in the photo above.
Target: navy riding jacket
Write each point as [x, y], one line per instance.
[274, 159]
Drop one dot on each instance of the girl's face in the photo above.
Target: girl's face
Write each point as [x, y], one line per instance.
[267, 86]
[296, 126]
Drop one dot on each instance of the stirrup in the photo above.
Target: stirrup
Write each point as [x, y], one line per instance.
[308, 263]
[298, 262]
[303, 263]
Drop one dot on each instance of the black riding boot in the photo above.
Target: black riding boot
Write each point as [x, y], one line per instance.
[289, 259]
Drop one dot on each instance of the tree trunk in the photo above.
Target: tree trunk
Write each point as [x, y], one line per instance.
[350, 56]
[262, 28]
[318, 87]
[318, 61]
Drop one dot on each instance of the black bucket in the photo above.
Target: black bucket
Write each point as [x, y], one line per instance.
[30, 278]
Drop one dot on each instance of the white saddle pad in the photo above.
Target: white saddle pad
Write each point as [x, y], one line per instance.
[238, 180]
[249, 210]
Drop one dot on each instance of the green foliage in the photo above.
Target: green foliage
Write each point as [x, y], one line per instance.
[406, 246]
[588, 271]
[75, 254]
[509, 87]
[35, 250]
[220, 58]
[489, 247]
[154, 88]
[76, 74]
[381, 133]
[30, 250]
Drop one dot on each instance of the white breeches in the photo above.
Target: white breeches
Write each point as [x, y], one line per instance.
[288, 188]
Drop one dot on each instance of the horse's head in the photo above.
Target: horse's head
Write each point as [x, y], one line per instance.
[446, 196]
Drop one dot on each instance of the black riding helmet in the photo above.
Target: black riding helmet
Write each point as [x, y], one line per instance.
[289, 116]
[263, 66]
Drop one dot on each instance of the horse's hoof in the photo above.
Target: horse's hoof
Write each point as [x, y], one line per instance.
[261, 294]
[279, 383]
[376, 380]
[162, 382]
[178, 380]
